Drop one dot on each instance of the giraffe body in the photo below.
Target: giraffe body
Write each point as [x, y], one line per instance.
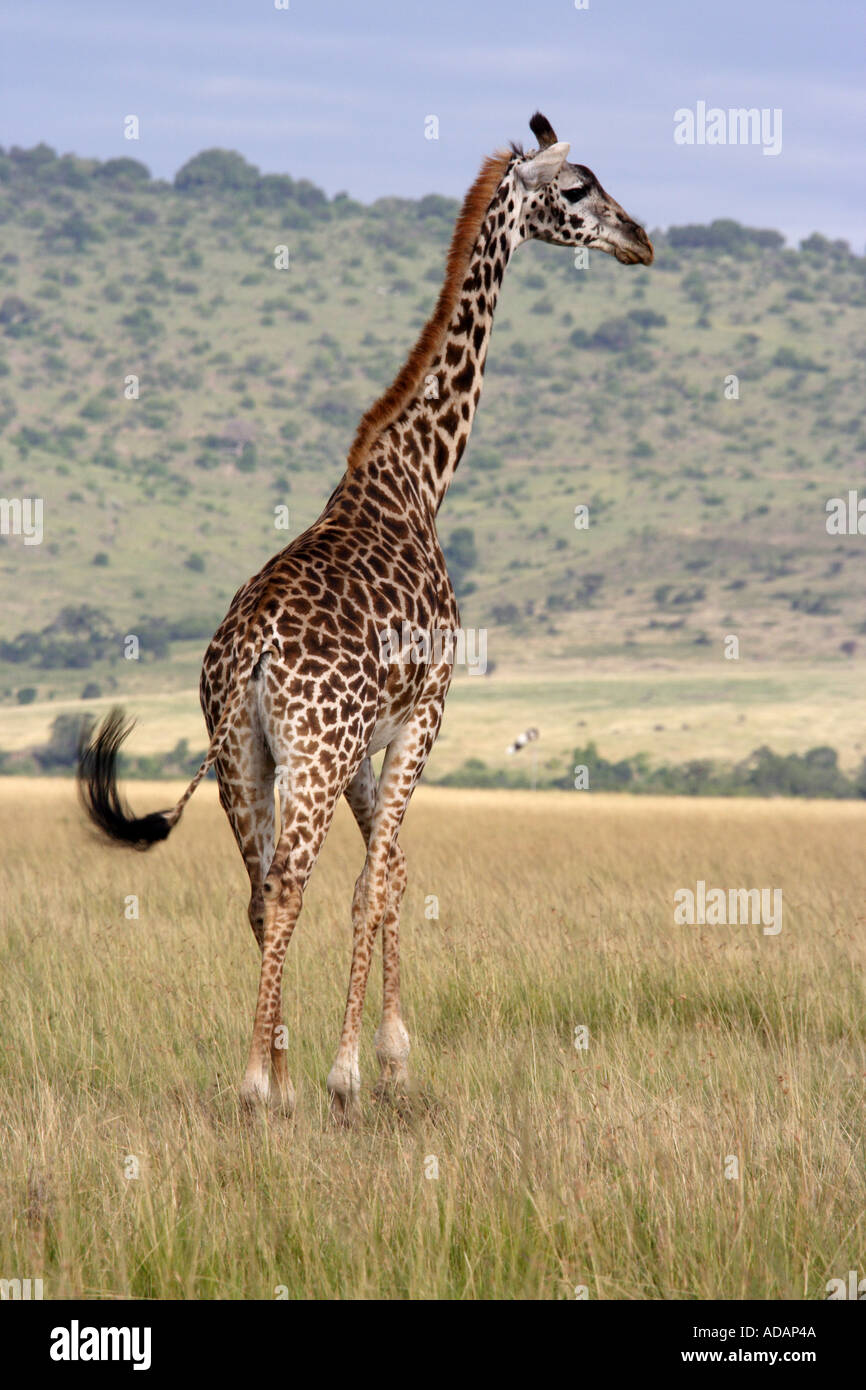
[299, 688]
[321, 699]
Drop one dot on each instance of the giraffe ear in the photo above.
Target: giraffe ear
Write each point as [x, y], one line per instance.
[544, 166]
[542, 130]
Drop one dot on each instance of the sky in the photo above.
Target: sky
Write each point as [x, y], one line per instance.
[340, 92]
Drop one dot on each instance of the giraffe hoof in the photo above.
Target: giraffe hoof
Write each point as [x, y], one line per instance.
[345, 1089]
[345, 1110]
[392, 1053]
[393, 1080]
[254, 1092]
[396, 1099]
[283, 1101]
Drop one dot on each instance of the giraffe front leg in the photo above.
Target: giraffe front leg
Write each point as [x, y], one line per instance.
[284, 1094]
[392, 1038]
[368, 905]
[374, 903]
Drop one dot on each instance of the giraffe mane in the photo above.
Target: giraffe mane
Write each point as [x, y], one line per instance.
[385, 410]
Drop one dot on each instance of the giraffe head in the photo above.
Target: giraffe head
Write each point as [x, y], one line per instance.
[566, 205]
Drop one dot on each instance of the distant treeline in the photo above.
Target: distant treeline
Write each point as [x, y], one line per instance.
[59, 756]
[227, 175]
[81, 635]
[222, 173]
[815, 773]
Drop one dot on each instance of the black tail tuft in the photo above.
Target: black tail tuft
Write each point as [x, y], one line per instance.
[97, 786]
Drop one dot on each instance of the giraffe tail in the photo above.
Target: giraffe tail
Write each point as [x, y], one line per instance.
[97, 784]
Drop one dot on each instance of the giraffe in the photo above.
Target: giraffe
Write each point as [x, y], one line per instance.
[297, 688]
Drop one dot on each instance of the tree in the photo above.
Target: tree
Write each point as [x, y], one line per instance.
[648, 318]
[124, 170]
[33, 161]
[76, 229]
[275, 190]
[309, 196]
[724, 234]
[435, 205]
[16, 315]
[217, 171]
[61, 750]
[461, 556]
[615, 335]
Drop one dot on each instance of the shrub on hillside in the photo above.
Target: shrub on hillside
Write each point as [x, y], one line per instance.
[216, 171]
[461, 556]
[123, 171]
[724, 234]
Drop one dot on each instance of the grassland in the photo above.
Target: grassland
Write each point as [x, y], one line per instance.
[558, 1167]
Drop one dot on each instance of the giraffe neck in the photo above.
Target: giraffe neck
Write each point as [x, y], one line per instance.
[411, 440]
[439, 422]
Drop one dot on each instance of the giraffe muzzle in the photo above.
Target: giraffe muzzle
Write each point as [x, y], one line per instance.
[635, 248]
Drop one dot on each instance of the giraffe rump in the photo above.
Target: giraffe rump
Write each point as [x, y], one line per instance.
[97, 787]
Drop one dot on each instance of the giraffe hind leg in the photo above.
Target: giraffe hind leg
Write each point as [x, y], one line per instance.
[246, 787]
[306, 813]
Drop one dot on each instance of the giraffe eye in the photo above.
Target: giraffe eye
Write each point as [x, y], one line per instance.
[574, 195]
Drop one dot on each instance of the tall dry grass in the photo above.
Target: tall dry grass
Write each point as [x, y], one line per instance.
[123, 1042]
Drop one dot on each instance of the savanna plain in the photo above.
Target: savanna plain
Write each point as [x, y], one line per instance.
[705, 1142]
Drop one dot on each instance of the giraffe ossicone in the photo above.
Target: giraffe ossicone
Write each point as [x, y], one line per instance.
[295, 689]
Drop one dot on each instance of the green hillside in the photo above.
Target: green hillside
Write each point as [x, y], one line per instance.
[605, 388]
